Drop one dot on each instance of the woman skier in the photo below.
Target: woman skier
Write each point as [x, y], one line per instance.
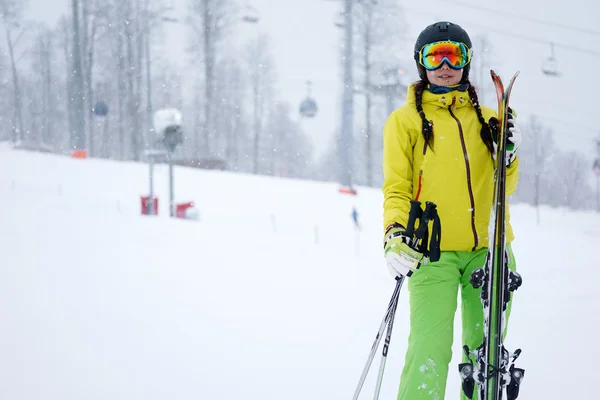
[440, 147]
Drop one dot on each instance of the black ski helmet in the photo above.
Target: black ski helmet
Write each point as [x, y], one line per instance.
[440, 31]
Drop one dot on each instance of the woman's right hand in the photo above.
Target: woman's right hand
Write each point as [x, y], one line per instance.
[400, 257]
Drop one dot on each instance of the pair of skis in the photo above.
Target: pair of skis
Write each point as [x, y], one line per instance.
[494, 370]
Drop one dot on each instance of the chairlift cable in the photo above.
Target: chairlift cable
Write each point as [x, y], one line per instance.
[525, 18]
[537, 40]
[486, 28]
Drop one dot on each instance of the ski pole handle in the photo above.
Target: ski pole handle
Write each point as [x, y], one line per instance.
[414, 213]
[427, 215]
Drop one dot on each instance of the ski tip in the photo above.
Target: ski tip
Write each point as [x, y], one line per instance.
[495, 75]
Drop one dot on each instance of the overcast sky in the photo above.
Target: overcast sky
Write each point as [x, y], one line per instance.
[305, 46]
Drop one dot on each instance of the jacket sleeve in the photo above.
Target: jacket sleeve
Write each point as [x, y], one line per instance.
[397, 171]
[512, 177]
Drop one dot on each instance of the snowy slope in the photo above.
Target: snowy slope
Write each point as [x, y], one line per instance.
[271, 295]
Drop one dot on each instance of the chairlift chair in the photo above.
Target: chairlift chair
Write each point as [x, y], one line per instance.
[550, 66]
[308, 106]
[250, 14]
[339, 20]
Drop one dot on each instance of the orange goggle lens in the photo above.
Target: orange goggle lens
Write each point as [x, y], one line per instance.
[455, 54]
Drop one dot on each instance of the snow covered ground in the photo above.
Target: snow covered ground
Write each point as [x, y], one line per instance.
[270, 295]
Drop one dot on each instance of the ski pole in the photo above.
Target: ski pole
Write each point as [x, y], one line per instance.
[386, 344]
[388, 315]
[414, 213]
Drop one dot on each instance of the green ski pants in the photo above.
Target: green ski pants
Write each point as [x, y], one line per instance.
[433, 291]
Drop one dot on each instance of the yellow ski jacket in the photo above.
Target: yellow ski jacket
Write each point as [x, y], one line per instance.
[457, 175]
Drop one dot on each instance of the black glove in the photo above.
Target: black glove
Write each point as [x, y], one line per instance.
[513, 140]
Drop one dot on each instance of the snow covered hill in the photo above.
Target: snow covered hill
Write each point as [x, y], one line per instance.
[270, 295]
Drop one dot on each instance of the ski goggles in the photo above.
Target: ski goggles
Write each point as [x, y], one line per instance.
[456, 54]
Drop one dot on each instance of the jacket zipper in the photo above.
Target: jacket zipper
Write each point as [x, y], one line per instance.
[469, 184]
[421, 174]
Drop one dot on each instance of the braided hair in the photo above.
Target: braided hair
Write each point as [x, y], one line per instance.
[486, 132]
[427, 126]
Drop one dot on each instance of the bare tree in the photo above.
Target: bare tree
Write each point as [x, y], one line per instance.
[121, 84]
[12, 14]
[261, 72]
[95, 24]
[577, 191]
[133, 76]
[115, 42]
[229, 115]
[548, 175]
[210, 21]
[542, 144]
[117, 29]
[41, 104]
[6, 103]
[66, 38]
[379, 28]
[156, 14]
[293, 150]
[366, 30]
[537, 149]
[45, 53]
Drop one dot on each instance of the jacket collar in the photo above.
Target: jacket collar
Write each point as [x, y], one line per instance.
[440, 99]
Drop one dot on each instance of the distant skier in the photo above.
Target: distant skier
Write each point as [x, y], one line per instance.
[439, 147]
[355, 218]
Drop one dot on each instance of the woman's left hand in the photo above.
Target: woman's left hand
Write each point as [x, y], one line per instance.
[514, 138]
